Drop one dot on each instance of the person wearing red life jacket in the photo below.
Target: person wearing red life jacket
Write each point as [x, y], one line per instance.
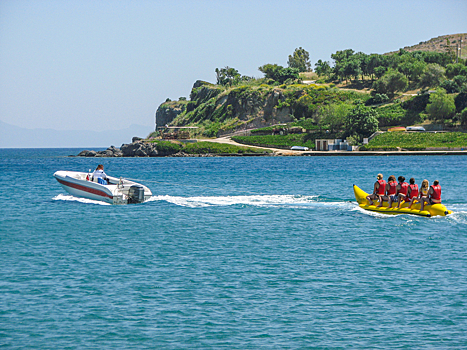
[391, 189]
[422, 193]
[412, 192]
[401, 191]
[378, 189]
[434, 195]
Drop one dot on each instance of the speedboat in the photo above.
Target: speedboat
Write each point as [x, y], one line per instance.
[118, 191]
[429, 210]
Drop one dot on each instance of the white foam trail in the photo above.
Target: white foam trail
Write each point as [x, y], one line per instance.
[255, 200]
[62, 197]
[374, 213]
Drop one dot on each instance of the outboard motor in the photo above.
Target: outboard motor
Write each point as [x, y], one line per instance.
[136, 194]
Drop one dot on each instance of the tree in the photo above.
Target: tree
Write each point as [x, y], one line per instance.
[416, 70]
[279, 73]
[432, 76]
[455, 69]
[227, 76]
[323, 68]
[333, 116]
[340, 56]
[300, 60]
[380, 71]
[374, 61]
[352, 68]
[391, 82]
[361, 121]
[441, 106]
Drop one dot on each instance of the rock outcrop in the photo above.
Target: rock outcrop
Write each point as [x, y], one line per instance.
[138, 148]
[112, 151]
[247, 106]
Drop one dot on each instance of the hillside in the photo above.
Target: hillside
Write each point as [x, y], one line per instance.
[442, 44]
[355, 97]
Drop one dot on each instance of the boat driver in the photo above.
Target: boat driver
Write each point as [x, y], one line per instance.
[100, 175]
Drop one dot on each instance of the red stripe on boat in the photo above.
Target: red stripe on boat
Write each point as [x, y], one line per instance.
[84, 188]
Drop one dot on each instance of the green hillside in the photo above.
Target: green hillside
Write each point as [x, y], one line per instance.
[354, 96]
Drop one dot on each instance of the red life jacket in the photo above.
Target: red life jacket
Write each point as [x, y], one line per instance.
[404, 188]
[413, 191]
[436, 195]
[382, 186]
[392, 188]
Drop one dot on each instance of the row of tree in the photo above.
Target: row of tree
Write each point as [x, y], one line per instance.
[396, 72]
[389, 73]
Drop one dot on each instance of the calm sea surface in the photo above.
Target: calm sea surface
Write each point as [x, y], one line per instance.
[236, 253]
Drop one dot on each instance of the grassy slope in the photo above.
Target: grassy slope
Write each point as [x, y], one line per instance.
[417, 141]
[204, 147]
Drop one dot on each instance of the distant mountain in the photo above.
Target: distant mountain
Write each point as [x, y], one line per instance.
[444, 43]
[15, 137]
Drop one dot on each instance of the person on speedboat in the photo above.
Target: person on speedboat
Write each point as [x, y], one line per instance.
[434, 195]
[390, 195]
[422, 194]
[401, 191]
[412, 192]
[100, 175]
[378, 189]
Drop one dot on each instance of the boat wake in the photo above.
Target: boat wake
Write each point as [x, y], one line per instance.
[254, 200]
[69, 198]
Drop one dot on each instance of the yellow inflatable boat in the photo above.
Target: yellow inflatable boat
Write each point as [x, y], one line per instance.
[430, 210]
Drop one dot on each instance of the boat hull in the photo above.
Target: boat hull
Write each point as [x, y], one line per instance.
[430, 210]
[118, 192]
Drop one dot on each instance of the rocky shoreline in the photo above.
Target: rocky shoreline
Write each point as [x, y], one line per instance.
[140, 148]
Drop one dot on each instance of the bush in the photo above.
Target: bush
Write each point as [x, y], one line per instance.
[391, 82]
[463, 117]
[461, 101]
[417, 103]
[167, 147]
[377, 99]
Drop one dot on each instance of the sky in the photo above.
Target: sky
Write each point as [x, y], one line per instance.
[104, 65]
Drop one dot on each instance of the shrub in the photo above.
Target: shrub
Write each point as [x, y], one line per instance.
[377, 99]
[461, 101]
[463, 117]
[167, 147]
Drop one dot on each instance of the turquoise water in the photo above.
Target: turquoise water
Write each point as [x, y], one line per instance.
[237, 253]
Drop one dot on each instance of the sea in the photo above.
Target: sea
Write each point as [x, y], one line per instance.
[230, 253]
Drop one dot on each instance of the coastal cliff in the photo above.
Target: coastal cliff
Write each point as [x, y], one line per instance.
[219, 109]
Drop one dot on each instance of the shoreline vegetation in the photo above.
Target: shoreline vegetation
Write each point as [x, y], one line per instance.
[355, 97]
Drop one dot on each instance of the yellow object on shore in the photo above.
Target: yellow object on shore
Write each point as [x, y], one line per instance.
[397, 128]
[430, 210]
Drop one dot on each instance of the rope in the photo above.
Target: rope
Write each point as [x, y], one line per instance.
[185, 185]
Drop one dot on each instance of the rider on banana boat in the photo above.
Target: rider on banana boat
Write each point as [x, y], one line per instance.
[422, 194]
[434, 195]
[412, 192]
[401, 191]
[390, 191]
[378, 189]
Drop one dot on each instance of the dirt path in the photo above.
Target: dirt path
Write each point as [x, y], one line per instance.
[276, 151]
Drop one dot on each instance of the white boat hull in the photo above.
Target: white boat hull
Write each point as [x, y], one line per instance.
[119, 191]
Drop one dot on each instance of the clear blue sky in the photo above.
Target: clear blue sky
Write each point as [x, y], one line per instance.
[94, 65]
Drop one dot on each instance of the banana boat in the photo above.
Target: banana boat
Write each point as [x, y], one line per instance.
[430, 210]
